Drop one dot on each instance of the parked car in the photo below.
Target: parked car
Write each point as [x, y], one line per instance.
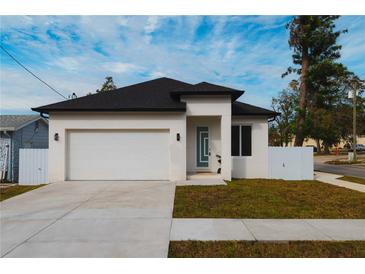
[360, 147]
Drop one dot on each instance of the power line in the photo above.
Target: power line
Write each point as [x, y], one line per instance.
[29, 71]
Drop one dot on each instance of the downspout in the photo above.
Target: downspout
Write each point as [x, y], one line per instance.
[273, 118]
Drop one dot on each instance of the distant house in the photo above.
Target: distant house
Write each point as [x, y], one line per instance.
[341, 144]
[19, 131]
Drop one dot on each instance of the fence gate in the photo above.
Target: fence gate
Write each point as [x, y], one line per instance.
[291, 163]
[33, 166]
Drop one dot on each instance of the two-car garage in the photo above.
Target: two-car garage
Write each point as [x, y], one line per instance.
[117, 154]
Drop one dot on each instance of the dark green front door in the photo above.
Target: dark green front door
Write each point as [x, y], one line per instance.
[202, 147]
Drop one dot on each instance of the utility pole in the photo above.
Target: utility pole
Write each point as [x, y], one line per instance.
[354, 122]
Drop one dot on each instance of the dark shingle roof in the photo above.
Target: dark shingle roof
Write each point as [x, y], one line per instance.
[242, 109]
[156, 95]
[146, 96]
[13, 122]
[208, 88]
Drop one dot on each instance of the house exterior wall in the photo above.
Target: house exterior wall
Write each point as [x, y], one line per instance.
[61, 122]
[255, 166]
[34, 135]
[214, 125]
[214, 112]
[220, 106]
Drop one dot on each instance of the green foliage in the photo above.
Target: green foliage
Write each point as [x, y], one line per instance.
[317, 36]
[108, 85]
[330, 110]
[282, 130]
[275, 139]
[326, 112]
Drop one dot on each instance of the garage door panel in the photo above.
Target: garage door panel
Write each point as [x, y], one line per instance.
[118, 155]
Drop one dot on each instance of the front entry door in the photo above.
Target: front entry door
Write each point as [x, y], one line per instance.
[202, 147]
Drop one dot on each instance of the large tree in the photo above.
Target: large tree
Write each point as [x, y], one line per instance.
[313, 40]
[330, 109]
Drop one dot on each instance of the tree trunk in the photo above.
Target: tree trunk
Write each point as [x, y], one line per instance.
[286, 141]
[326, 149]
[319, 151]
[299, 137]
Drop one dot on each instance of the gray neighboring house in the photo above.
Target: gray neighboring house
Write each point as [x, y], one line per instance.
[19, 131]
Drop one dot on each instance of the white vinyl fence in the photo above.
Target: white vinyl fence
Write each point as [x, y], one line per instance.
[33, 166]
[291, 163]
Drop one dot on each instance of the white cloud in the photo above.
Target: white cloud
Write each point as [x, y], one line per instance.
[67, 63]
[152, 24]
[118, 67]
[231, 48]
[157, 74]
[122, 20]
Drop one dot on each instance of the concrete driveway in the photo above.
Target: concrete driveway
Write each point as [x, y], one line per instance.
[89, 219]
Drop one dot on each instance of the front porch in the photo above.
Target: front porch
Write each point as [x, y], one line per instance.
[202, 178]
[207, 161]
[203, 144]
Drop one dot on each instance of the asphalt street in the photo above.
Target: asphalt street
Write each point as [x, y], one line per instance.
[348, 170]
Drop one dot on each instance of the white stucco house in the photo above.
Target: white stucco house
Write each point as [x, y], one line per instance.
[161, 129]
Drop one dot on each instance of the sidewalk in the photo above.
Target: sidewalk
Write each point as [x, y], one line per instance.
[268, 229]
[332, 179]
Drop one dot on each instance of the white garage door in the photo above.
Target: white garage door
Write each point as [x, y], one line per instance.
[118, 155]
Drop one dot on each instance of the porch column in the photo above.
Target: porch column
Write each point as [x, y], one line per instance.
[226, 168]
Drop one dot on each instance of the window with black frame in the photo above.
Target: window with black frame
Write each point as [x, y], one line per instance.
[241, 140]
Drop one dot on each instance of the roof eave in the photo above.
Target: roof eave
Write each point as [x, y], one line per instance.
[7, 128]
[268, 115]
[234, 94]
[179, 109]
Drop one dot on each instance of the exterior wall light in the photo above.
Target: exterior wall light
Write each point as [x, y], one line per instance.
[178, 137]
[56, 137]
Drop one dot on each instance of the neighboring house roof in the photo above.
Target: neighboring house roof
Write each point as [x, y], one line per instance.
[15, 122]
[155, 95]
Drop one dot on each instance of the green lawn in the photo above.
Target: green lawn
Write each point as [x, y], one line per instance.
[247, 249]
[353, 179]
[6, 193]
[262, 198]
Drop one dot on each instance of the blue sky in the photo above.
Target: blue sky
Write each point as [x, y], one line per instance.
[75, 53]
